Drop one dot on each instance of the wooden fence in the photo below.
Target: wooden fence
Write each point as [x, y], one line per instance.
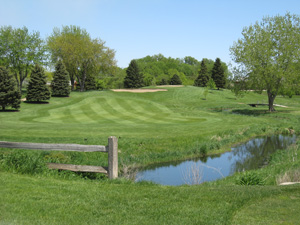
[111, 149]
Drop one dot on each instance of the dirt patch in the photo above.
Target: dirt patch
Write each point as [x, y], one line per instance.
[138, 90]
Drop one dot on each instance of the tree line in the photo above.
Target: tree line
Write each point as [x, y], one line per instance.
[159, 70]
[267, 58]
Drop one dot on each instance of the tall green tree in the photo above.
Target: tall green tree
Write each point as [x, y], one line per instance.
[203, 76]
[20, 50]
[37, 90]
[218, 74]
[175, 80]
[60, 83]
[81, 54]
[9, 93]
[133, 79]
[268, 53]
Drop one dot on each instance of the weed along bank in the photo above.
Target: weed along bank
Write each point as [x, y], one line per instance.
[248, 156]
[111, 149]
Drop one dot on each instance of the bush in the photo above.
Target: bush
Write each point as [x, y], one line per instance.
[250, 178]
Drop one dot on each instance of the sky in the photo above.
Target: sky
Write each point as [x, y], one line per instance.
[137, 28]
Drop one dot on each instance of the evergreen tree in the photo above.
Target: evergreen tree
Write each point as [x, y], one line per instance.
[37, 89]
[60, 83]
[218, 74]
[163, 82]
[90, 83]
[133, 79]
[9, 93]
[175, 80]
[203, 77]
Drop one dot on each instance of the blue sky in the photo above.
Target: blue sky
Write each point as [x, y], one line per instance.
[137, 28]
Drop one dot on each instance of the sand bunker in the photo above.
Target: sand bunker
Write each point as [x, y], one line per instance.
[138, 90]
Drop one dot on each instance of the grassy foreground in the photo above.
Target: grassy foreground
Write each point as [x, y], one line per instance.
[151, 127]
[32, 200]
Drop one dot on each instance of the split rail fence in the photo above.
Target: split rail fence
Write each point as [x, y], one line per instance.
[111, 149]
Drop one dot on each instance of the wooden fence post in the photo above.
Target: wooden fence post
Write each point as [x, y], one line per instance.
[112, 157]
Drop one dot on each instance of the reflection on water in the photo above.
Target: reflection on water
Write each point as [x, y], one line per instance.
[250, 155]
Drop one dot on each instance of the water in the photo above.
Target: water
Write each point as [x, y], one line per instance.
[250, 155]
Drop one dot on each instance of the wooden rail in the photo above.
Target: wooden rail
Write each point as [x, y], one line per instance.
[111, 149]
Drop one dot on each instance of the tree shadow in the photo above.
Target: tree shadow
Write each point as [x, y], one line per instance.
[9, 110]
[36, 102]
[249, 112]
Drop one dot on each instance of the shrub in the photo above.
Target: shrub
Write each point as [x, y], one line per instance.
[250, 178]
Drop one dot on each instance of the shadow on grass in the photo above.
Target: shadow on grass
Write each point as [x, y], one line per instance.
[36, 102]
[249, 112]
[9, 110]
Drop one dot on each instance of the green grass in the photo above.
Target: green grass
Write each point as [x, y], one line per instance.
[33, 200]
[151, 127]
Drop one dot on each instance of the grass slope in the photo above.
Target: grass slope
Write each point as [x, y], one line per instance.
[32, 200]
[151, 127]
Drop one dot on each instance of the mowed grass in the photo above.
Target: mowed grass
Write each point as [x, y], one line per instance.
[151, 127]
[33, 200]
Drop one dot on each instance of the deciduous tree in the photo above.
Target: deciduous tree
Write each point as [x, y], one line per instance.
[81, 54]
[268, 53]
[20, 50]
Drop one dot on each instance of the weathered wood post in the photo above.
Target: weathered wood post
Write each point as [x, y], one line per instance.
[112, 157]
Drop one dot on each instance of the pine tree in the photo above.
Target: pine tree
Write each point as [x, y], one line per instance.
[37, 89]
[9, 93]
[218, 74]
[90, 83]
[175, 80]
[60, 83]
[133, 79]
[203, 77]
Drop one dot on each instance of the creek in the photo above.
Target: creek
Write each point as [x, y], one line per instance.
[247, 156]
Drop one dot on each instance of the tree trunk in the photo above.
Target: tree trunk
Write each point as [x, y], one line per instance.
[18, 83]
[72, 83]
[271, 98]
[82, 81]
